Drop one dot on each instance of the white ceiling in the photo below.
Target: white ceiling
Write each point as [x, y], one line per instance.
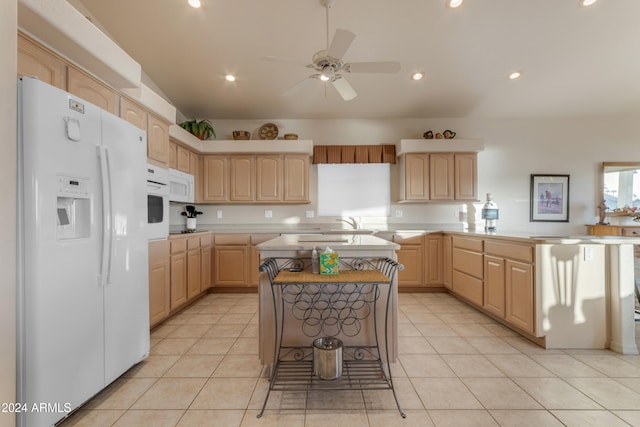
[576, 61]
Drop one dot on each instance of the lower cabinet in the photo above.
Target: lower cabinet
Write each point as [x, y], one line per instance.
[254, 263]
[159, 281]
[520, 296]
[194, 273]
[231, 260]
[178, 272]
[447, 246]
[467, 269]
[410, 255]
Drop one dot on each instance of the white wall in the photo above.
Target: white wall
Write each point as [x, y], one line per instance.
[8, 47]
[514, 149]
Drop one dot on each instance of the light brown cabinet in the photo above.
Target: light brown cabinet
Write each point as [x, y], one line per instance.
[159, 281]
[215, 179]
[231, 260]
[194, 265]
[520, 296]
[468, 269]
[183, 159]
[35, 61]
[447, 247]
[205, 262]
[178, 272]
[433, 265]
[90, 89]
[441, 176]
[133, 113]
[465, 176]
[158, 139]
[254, 265]
[494, 286]
[415, 185]
[296, 178]
[242, 183]
[411, 257]
[269, 173]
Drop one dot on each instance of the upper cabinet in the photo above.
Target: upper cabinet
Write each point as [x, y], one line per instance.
[296, 178]
[35, 61]
[158, 139]
[92, 90]
[133, 113]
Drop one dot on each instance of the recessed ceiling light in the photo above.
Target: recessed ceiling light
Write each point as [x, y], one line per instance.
[515, 75]
[418, 75]
[586, 2]
[454, 3]
[194, 3]
[230, 78]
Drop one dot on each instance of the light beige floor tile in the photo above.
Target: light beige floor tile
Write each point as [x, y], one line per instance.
[500, 393]
[566, 366]
[293, 400]
[178, 319]
[93, 418]
[632, 383]
[173, 346]
[633, 359]
[243, 309]
[203, 319]
[444, 393]
[335, 399]
[453, 318]
[391, 418]
[211, 418]
[555, 393]
[137, 418]
[121, 394]
[273, 419]
[435, 330]
[422, 317]
[471, 365]
[245, 346]
[460, 418]
[632, 417]
[212, 346]
[607, 392]
[527, 347]
[397, 371]
[225, 393]
[408, 330]
[189, 331]
[238, 366]
[610, 365]
[351, 418]
[451, 345]
[491, 345]
[481, 318]
[524, 418]
[199, 366]
[383, 399]
[414, 345]
[170, 393]
[240, 319]
[471, 330]
[572, 418]
[402, 318]
[425, 365]
[444, 308]
[500, 330]
[250, 331]
[152, 367]
[154, 341]
[518, 365]
[224, 331]
[163, 330]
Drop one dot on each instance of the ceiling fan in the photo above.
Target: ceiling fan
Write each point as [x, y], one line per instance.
[328, 64]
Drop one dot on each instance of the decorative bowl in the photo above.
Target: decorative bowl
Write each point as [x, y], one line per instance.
[291, 136]
[241, 135]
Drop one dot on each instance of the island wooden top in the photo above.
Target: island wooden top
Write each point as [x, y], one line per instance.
[344, 276]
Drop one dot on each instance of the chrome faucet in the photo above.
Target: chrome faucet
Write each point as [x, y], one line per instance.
[351, 221]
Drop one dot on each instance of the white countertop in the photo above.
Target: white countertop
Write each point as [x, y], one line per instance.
[336, 242]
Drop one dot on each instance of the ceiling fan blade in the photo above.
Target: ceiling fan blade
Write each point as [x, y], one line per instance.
[298, 86]
[373, 67]
[344, 89]
[283, 59]
[342, 39]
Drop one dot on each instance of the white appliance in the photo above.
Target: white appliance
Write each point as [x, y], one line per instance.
[180, 186]
[83, 303]
[157, 202]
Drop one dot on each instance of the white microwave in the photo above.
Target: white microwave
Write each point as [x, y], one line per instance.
[180, 186]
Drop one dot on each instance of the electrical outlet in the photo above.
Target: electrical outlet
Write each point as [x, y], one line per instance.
[219, 214]
[268, 213]
[399, 213]
[310, 214]
[588, 254]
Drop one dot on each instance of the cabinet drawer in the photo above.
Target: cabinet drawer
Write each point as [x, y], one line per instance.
[468, 262]
[178, 245]
[231, 239]
[467, 243]
[468, 287]
[509, 250]
[193, 243]
[260, 238]
[408, 238]
[205, 240]
[631, 232]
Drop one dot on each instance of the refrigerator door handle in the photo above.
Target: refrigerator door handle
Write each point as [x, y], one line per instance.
[107, 232]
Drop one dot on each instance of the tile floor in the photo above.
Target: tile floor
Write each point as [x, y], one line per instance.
[456, 367]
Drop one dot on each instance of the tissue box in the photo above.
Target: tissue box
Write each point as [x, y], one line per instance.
[329, 263]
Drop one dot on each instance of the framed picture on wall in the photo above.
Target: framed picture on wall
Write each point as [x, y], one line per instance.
[550, 198]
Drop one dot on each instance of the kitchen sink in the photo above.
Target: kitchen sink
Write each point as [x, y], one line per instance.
[349, 231]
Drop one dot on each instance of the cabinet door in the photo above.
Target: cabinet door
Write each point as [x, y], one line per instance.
[494, 285]
[90, 89]
[34, 61]
[520, 297]
[214, 179]
[230, 265]
[183, 160]
[242, 180]
[159, 282]
[268, 177]
[178, 279]
[447, 246]
[205, 268]
[433, 260]
[173, 155]
[441, 176]
[296, 178]
[466, 184]
[194, 272]
[133, 113]
[411, 257]
[195, 168]
[158, 139]
[416, 177]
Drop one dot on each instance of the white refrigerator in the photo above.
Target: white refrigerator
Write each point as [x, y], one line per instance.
[83, 306]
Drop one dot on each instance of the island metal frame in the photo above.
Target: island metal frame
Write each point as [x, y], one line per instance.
[336, 306]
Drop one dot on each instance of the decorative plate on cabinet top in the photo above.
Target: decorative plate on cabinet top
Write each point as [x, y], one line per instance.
[268, 131]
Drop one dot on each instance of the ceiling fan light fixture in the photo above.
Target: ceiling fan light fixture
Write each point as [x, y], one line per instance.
[418, 75]
[452, 4]
[230, 78]
[586, 3]
[515, 75]
[324, 78]
[194, 3]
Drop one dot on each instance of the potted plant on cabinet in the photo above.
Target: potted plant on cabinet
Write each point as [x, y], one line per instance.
[203, 129]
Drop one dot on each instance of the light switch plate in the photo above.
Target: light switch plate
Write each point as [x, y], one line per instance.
[268, 213]
[219, 214]
[399, 213]
[310, 214]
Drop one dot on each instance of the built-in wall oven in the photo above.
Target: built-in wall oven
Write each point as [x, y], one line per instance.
[157, 202]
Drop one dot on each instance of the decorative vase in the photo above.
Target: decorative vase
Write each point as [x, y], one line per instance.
[191, 223]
